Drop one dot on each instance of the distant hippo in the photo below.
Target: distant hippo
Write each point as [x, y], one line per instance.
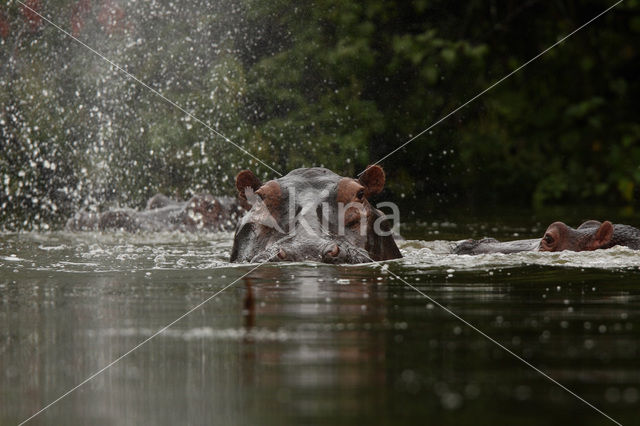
[591, 235]
[313, 214]
[202, 212]
[83, 221]
[159, 201]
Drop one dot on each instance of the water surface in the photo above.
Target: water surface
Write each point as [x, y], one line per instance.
[309, 343]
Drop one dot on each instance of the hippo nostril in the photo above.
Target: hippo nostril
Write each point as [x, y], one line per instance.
[335, 251]
[282, 254]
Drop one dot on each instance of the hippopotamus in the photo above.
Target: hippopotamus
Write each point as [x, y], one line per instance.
[590, 235]
[313, 214]
[202, 212]
[491, 245]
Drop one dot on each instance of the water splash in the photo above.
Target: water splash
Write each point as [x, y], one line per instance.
[91, 252]
[76, 133]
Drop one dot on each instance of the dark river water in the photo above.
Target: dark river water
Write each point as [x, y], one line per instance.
[314, 344]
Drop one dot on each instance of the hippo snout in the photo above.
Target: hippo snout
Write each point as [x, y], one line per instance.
[318, 251]
[330, 254]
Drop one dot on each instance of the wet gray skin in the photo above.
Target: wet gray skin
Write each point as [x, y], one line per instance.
[625, 235]
[296, 218]
[491, 245]
[202, 212]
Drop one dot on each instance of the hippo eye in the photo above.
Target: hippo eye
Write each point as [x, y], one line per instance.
[360, 194]
[548, 238]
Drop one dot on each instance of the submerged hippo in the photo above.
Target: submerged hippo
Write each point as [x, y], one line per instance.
[591, 235]
[313, 214]
[491, 245]
[202, 212]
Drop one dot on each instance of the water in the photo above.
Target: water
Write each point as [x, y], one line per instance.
[314, 344]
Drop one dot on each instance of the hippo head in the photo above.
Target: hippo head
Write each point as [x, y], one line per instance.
[202, 211]
[313, 214]
[591, 235]
[159, 201]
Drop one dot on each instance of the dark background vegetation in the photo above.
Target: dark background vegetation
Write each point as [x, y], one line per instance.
[332, 83]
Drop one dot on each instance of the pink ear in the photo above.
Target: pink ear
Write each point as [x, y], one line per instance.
[373, 180]
[246, 179]
[602, 236]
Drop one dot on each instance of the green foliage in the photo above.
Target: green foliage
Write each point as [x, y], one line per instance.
[331, 83]
[566, 126]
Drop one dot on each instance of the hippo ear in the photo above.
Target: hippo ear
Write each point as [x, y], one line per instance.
[373, 180]
[590, 224]
[602, 237]
[246, 179]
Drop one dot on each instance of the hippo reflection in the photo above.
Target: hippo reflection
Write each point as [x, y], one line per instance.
[313, 214]
[202, 212]
[590, 235]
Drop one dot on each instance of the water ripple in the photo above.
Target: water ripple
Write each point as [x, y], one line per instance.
[98, 252]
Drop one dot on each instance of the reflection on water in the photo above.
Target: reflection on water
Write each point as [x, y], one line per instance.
[308, 343]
